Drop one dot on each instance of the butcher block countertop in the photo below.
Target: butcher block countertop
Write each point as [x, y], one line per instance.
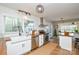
[2, 47]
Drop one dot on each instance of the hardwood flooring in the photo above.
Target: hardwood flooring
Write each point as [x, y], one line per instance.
[44, 50]
[52, 48]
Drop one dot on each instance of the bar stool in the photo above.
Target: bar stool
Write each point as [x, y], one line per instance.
[77, 43]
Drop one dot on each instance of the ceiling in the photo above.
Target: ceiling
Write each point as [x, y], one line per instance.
[52, 11]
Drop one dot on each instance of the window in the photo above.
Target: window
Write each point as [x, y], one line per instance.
[68, 28]
[29, 26]
[12, 24]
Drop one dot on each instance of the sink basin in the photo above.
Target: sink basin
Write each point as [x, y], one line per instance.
[20, 38]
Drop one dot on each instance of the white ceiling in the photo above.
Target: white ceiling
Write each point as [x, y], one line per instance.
[52, 11]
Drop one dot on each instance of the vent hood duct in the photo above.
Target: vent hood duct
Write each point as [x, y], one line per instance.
[42, 23]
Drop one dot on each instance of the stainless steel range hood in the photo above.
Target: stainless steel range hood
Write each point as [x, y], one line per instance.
[42, 23]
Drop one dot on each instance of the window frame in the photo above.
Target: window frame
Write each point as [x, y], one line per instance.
[12, 32]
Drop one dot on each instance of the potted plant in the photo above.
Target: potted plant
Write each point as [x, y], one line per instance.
[55, 33]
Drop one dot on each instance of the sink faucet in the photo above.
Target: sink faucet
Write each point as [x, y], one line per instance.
[19, 29]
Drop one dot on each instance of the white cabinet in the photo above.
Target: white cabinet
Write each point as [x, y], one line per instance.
[18, 46]
[41, 40]
[65, 42]
[28, 45]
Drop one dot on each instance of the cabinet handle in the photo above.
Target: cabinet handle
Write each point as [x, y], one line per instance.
[23, 45]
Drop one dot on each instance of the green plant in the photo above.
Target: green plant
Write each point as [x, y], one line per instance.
[76, 30]
[55, 32]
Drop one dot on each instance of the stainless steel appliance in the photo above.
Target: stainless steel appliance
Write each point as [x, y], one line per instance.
[35, 40]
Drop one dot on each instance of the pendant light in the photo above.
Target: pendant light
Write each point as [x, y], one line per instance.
[40, 8]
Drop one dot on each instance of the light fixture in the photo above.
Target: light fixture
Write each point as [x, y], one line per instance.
[27, 13]
[40, 8]
[62, 19]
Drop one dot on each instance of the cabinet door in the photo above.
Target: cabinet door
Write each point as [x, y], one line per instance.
[65, 43]
[16, 48]
[28, 45]
[41, 40]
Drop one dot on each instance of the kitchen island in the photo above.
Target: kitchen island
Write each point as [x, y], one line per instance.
[65, 42]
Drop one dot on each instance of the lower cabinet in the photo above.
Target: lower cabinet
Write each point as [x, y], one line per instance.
[14, 48]
[41, 40]
[65, 42]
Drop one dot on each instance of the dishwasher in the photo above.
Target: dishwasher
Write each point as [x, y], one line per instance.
[35, 40]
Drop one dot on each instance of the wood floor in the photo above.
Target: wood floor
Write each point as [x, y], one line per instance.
[52, 48]
[44, 50]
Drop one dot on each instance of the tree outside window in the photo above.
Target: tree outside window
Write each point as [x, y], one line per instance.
[12, 24]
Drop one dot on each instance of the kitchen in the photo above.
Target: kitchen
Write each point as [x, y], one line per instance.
[22, 32]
